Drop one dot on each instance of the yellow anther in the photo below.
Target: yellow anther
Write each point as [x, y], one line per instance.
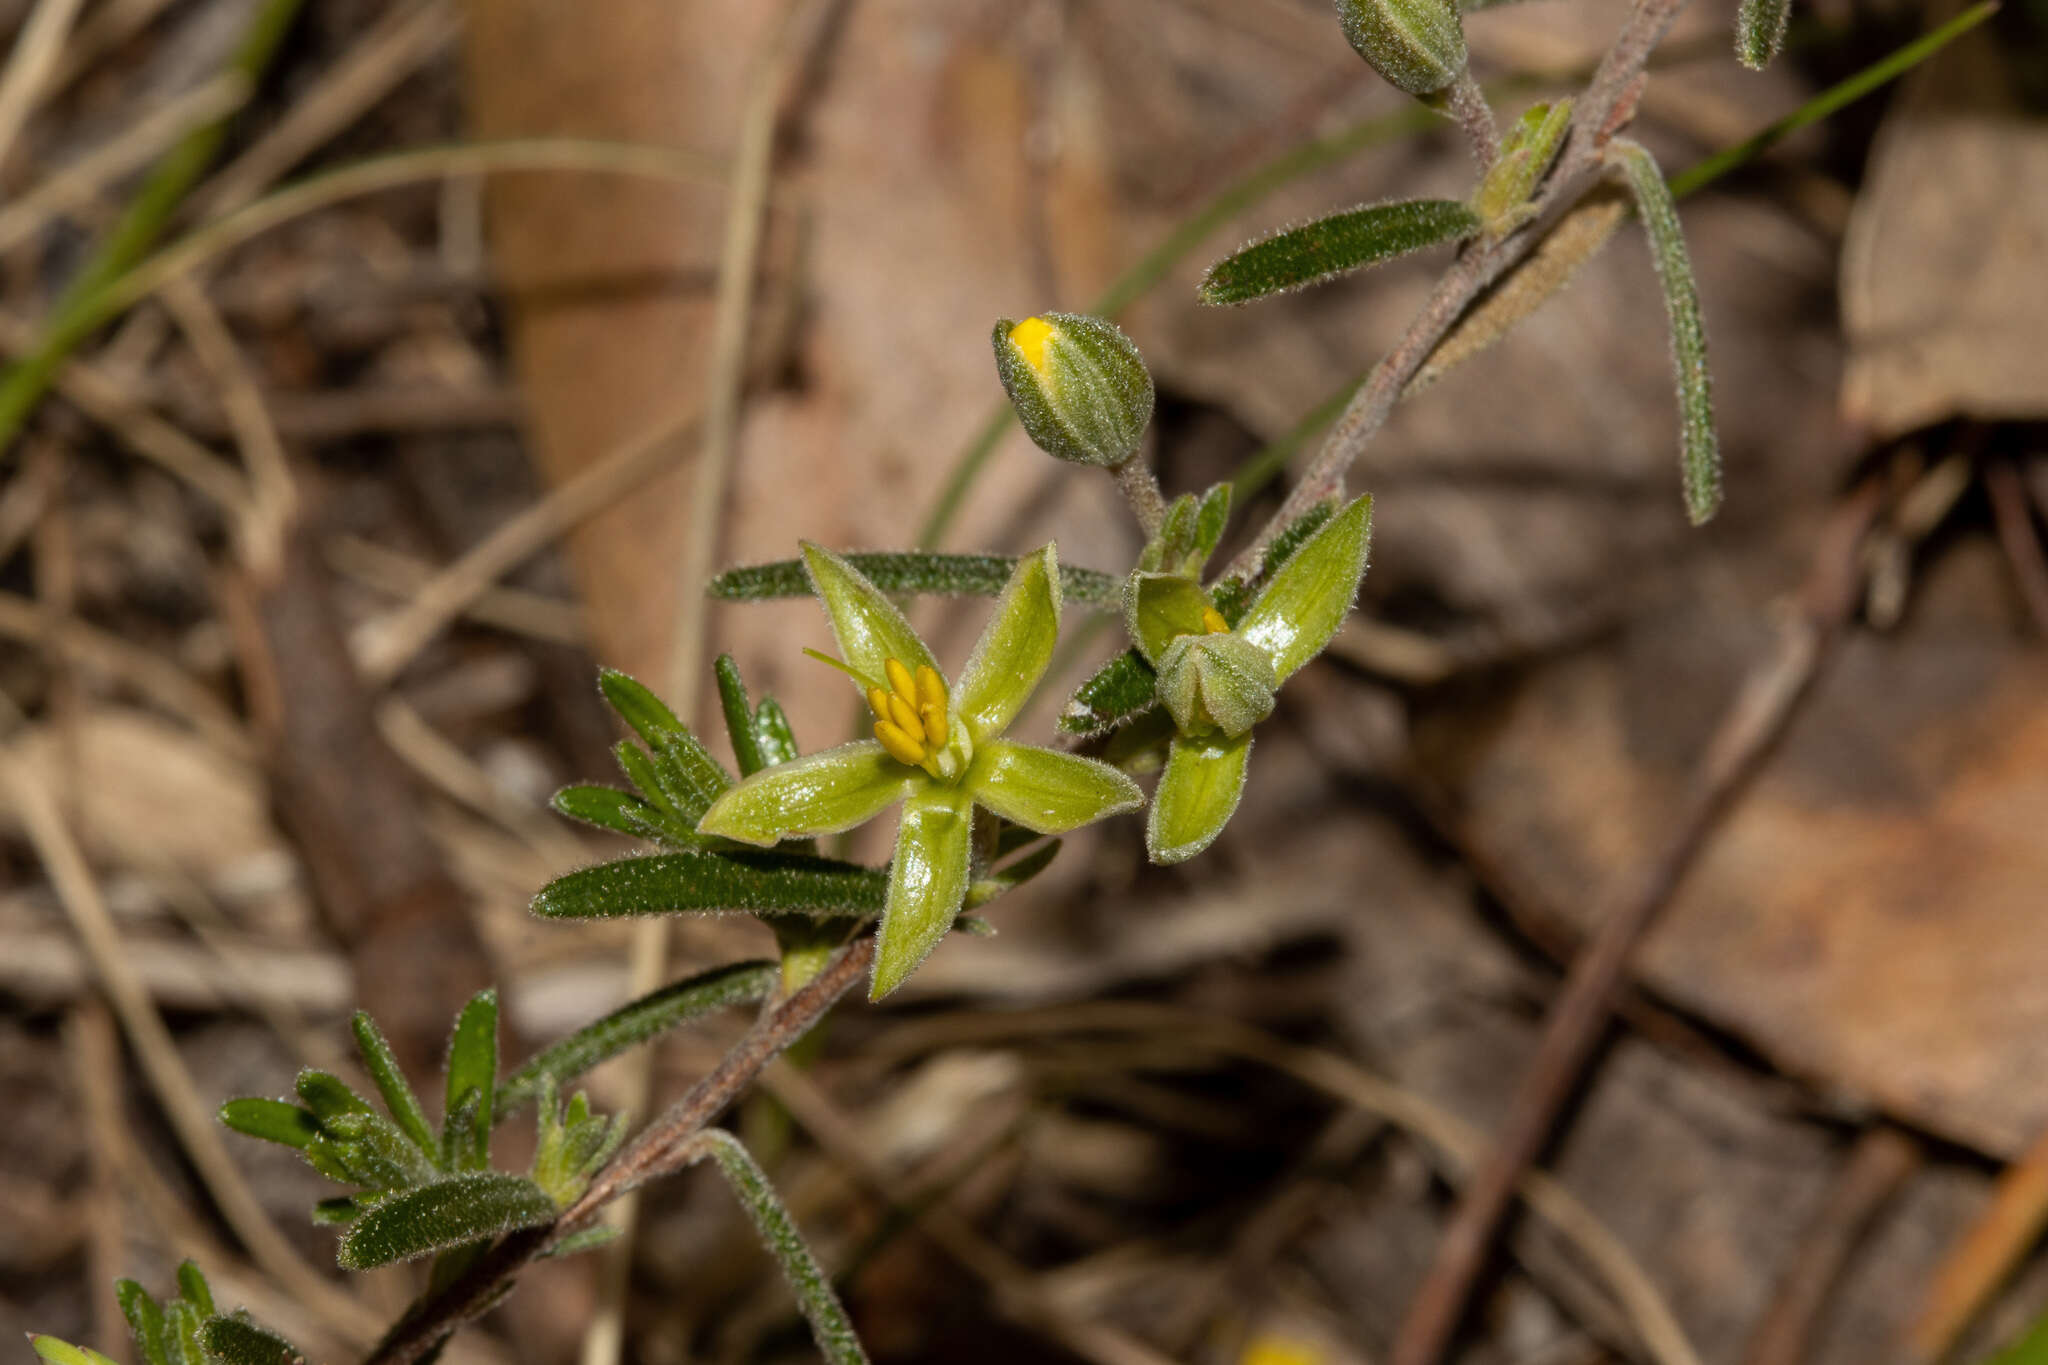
[931, 688]
[900, 681]
[905, 717]
[1213, 622]
[878, 702]
[901, 746]
[934, 718]
[1029, 337]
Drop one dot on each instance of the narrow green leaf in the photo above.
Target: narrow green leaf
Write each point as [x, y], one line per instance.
[328, 1096]
[146, 1320]
[779, 1234]
[685, 771]
[820, 793]
[458, 1123]
[1699, 449]
[60, 1352]
[634, 1023]
[1294, 537]
[671, 883]
[1336, 245]
[447, 1213]
[772, 733]
[376, 1153]
[181, 1329]
[1210, 520]
[271, 1121]
[1119, 690]
[193, 1288]
[1014, 648]
[473, 1065]
[1198, 793]
[238, 1339]
[739, 717]
[927, 883]
[903, 573]
[1304, 603]
[337, 1211]
[1047, 791]
[589, 1239]
[399, 1098]
[609, 808]
[1760, 31]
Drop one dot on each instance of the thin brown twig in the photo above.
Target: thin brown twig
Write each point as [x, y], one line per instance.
[1578, 1018]
[1882, 1160]
[1985, 1256]
[2013, 511]
[661, 1148]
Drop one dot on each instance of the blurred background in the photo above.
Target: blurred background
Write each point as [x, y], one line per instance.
[309, 549]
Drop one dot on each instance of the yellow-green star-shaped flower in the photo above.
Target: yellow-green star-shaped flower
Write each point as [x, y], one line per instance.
[938, 750]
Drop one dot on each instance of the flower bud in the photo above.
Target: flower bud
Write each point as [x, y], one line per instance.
[1216, 682]
[1079, 385]
[1418, 45]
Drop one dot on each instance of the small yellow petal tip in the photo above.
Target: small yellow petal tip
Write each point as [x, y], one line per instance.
[1030, 337]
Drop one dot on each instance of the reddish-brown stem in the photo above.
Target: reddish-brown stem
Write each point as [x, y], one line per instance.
[663, 1147]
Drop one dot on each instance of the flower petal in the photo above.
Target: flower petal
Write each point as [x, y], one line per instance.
[1014, 648]
[865, 622]
[1047, 791]
[1307, 600]
[1196, 796]
[927, 882]
[1158, 607]
[821, 794]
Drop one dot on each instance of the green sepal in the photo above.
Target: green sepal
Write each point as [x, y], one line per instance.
[1222, 682]
[399, 1099]
[1118, 691]
[1168, 551]
[739, 717]
[1159, 607]
[1760, 31]
[1014, 648]
[927, 883]
[1699, 450]
[1299, 610]
[1197, 795]
[1088, 399]
[865, 622]
[821, 793]
[911, 572]
[448, 1213]
[1293, 538]
[58, 1351]
[472, 1066]
[1047, 791]
[1417, 45]
[1335, 245]
[621, 812]
[238, 1339]
[677, 883]
[634, 1023]
[277, 1121]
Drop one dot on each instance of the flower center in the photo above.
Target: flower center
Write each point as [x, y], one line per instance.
[910, 718]
[1213, 622]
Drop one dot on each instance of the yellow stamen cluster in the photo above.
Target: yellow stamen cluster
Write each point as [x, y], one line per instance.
[1213, 622]
[910, 718]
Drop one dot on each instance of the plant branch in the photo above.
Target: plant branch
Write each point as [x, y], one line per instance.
[664, 1146]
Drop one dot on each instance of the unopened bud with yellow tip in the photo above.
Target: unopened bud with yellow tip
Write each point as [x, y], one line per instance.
[1078, 384]
[1418, 45]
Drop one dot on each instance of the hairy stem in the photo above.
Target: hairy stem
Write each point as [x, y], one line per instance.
[664, 1146]
[1468, 105]
[1141, 489]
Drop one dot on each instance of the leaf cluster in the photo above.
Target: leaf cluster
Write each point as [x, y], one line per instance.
[185, 1329]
